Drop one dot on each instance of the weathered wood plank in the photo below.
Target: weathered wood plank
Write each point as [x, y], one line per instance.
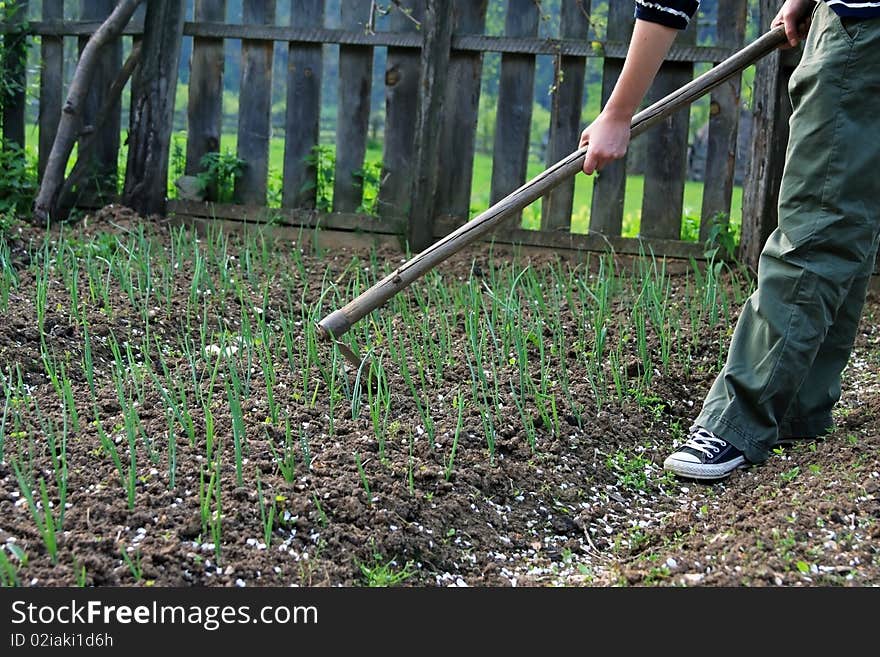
[432, 94]
[459, 119]
[724, 116]
[255, 105]
[565, 117]
[609, 186]
[205, 104]
[101, 180]
[464, 43]
[302, 123]
[401, 106]
[288, 216]
[771, 111]
[666, 165]
[152, 108]
[51, 83]
[352, 123]
[575, 241]
[516, 91]
[305, 238]
[14, 50]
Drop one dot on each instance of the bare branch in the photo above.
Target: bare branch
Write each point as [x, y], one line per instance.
[69, 124]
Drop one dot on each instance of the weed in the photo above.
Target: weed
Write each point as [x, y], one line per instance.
[385, 573]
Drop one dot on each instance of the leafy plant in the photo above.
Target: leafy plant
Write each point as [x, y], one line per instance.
[177, 161]
[721, 237]
[631, 470]
[381, 573]
[220, 171]
[18, 179]
[323, 159]
[370, 177]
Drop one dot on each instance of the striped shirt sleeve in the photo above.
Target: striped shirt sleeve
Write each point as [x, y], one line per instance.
[672, 13]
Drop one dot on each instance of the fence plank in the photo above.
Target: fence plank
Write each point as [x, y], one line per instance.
[459, 120]
[771, 111]
[205, 104]
[565, 119]
[516, 91]
[51, 83]
[666, 151]
[401, 106]
[432, 94]
[609, 187]
[100, 184]
[305, 64]
[255, 105]
[352, 123]
[14, 50]
[724, 116]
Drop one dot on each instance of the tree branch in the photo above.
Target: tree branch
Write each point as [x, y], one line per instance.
[88, 138]
[69, 124]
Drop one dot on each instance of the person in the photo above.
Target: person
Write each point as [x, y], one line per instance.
[796, 332]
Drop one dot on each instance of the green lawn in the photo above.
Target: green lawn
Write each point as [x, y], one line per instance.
[480, 189]
[693, 193]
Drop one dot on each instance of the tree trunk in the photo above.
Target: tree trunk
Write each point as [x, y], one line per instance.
[152, 108]
[432, 89]
[71, 114]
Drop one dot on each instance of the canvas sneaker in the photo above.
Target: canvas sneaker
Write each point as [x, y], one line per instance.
[704, 456]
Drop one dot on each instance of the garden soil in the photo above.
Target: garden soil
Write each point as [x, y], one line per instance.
[571, 512]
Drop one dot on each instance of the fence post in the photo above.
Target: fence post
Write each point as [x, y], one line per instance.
[100, 182]
[205, 103]
[724, 115]
[432, 90]
[568, 92]
[516, 93]
[152, 108]
[255, 105]
[353, 117]
[303, 120]
[51, 80]
[460, 114]
[401, 102]
[609, 187]
[15, 51]
[771, 109]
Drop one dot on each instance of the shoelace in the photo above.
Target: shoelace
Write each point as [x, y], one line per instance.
[704, 441]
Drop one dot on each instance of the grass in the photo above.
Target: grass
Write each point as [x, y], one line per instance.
[481, 189]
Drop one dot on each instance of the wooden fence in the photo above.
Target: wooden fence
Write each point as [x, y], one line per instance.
[433, 81]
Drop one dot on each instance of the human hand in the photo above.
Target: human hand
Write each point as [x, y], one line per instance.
[606, 140]
[795, 16]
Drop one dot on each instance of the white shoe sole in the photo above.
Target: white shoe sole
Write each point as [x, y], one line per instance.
[701, 470]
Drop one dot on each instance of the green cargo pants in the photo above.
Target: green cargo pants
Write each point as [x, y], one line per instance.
[795, 334]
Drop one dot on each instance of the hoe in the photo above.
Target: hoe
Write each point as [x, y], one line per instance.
[337, 323]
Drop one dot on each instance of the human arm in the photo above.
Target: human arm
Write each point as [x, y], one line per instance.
[608, 136]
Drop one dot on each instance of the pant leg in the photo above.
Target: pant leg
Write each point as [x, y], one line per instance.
[829, 211]
[810, 413]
